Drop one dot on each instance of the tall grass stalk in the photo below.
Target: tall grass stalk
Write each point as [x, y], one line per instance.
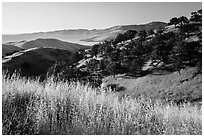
[32, 107]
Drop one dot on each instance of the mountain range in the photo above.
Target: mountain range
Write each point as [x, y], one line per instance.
[12, 47]
[82, 36]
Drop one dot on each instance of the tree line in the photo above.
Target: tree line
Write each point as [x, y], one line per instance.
[130, 51]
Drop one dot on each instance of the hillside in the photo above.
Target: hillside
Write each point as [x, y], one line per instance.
[165, 63]
[83, 36]
[170, 86]
[49, 43]
[9, 49]
[36, 61]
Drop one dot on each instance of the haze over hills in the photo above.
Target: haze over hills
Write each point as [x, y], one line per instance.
[52, 43]
[11, 47]
[83, 36]
[34, 57]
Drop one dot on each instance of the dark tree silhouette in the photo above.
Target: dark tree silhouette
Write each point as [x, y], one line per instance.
[93, 65]
[119, 38]
[183, 20]
[94, 49]
[196, 16]
[136, 65]
[142, 34]
[150, 32]
[174, 21]
[188, 28]
[130, 34]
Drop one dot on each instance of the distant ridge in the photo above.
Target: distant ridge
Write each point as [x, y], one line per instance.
[53, 43]
[47, 43]
[83, 36]
[147, 27]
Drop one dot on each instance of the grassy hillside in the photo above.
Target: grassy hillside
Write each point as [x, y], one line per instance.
[161, 84]
[53, 43]
[48, 43]
[146, 27]
[29, 107]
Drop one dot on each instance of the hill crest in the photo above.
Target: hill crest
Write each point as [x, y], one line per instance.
[80, 36]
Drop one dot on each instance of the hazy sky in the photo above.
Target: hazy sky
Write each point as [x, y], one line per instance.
[24, 17]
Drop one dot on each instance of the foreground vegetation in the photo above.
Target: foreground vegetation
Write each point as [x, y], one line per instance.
[31, 107]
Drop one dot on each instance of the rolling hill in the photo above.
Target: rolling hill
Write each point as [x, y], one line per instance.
[12, 47]
[9, 49]
[35, 61]
[52, 43]
[83, 36]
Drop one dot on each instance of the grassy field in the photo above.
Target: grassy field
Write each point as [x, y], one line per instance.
[31, 107]
[170, 85]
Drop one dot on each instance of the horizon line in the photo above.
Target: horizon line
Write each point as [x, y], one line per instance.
[35, 32]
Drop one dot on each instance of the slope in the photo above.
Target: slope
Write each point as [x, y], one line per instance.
[9, 49]
[52, 43]
[172, 86]
[36, 61]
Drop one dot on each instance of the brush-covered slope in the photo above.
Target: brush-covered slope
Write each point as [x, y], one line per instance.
[36, 61]
[9, 49]
[165, 63]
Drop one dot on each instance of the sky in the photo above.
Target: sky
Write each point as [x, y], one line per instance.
[22, 17]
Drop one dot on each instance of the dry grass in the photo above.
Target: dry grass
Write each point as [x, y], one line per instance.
[187, 84]
[29, 107]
